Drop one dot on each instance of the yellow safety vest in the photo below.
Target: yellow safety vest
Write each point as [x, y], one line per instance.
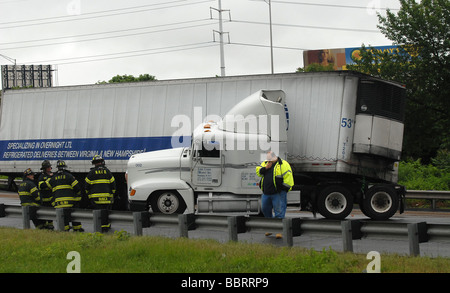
[283, 169]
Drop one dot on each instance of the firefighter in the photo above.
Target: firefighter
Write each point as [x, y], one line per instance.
[66, 192]
[29, 195]
[100, 187]
[44, 190]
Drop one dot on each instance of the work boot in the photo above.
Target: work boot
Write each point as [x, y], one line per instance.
[279, 236]
[77, 228]
[106, 228]
[49, 225]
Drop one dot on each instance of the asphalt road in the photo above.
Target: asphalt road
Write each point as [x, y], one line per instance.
[317, 242]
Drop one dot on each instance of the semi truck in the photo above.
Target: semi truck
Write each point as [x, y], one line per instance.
[340, 131]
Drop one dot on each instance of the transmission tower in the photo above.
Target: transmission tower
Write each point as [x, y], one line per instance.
[221, 33]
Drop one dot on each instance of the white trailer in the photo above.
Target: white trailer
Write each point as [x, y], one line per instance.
[340, 131]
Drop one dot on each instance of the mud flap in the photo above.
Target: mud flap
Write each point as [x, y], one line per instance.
[401, 192]
[308, 201]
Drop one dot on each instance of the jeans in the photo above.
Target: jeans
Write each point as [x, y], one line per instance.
[277, 202]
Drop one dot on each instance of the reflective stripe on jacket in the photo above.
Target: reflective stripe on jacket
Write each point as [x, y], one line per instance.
[44, 190]
[100, 185]
[281, 168]
[28, 193]
[65, 189]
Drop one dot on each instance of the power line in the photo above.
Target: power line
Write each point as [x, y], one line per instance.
[266, 46]
[53, 20]
[108, 37]
[73, 17]
[163, 30]
[333, 5]
[136, 53]
[127, 52]
[308, 26]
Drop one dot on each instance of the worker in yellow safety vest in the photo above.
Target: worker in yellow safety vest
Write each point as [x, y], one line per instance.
[276, 180]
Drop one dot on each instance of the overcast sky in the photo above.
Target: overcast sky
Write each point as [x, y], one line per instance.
[92, 40]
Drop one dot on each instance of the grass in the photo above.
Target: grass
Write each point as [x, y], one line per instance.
[36, 251]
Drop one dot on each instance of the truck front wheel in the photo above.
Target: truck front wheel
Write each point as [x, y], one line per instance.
[167, 202]
[335, 202]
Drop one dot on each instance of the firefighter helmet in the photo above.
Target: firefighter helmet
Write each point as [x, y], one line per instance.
[45, 164]
[61, 164]
[28, 172]
[97, 159]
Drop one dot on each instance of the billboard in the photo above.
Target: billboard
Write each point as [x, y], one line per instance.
[21, 76]
[340, 58]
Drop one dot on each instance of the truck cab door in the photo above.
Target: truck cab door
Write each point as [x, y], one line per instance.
[207, 164]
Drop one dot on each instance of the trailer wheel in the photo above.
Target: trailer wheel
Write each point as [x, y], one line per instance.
[380, 202]
[335, 202]
[168, 202]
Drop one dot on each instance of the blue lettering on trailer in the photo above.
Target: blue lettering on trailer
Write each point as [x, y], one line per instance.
[83, 148]
[287, 116]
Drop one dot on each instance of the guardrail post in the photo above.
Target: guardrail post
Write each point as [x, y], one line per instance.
[413, 237]
[185, 223]
[97, 217]
[296, 227]
[62, 218]
[232, 229]
[287, 232]
[145, 219]
[2, 210]
[347, 236]
[26, 217]
[137, 223]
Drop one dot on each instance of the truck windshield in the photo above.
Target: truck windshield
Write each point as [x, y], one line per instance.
[209, 150]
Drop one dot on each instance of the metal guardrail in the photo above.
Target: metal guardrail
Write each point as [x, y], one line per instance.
[5, 181]
[432, 195]
[348, 230]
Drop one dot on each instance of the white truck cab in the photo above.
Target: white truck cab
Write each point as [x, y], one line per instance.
[216, 174]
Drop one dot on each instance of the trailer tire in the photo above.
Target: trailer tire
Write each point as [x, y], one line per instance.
[380, 202]
[167, 202]
[361, 207]
[335, 202]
